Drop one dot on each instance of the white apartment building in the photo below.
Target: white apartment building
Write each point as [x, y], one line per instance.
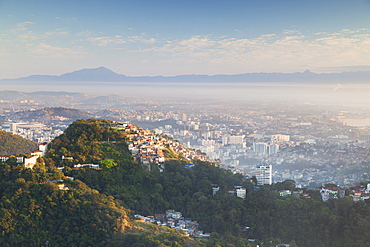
[264, 174]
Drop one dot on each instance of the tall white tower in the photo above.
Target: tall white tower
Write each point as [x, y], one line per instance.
[264, 174]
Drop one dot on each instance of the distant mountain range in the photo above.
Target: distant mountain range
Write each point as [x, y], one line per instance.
[103, 74]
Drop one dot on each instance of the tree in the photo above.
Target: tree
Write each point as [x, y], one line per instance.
[330, 185]
[285, 185]
[107, 164]
[292, 244]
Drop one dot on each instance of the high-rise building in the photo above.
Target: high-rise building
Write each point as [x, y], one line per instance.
[13, 128]
[260, 148]
[273, 149]
[184, 117]
[225, 140]
[264, 174]
[236, 139]
[232, 140]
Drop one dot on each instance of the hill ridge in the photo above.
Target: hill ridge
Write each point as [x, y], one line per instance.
[103, 74]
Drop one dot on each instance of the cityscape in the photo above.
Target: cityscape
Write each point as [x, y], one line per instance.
[185, 123]
[311, 144]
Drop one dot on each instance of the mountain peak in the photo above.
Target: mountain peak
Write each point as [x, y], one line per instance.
[94, 70]
[94, 74]
[307, 72]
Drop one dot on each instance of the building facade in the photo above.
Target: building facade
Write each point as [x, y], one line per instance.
[264, 174]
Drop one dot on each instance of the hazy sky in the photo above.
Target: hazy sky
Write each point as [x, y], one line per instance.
[170, 37]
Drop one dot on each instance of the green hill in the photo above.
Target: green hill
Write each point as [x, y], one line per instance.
[268, 217]
[97, 208]
[13, 144]
[40, 207]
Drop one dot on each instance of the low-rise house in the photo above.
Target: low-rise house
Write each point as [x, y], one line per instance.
[215, 188]
[239, 191]
[30, 161]
[331, 193]
[364, 196]
[37, 153]
[20, 159]
[285, 192]
[62, 187]
[93, 166]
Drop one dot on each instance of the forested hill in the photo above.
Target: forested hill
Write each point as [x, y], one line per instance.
[13, 144]
[42, 207]
[35, 212]
[264, 215]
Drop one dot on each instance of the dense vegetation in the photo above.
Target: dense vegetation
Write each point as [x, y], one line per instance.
[34, 211]
[269, 217]
[89, 141]
[99, 202]
[13, 144]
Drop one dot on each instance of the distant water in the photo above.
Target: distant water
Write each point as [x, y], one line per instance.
[320, 93]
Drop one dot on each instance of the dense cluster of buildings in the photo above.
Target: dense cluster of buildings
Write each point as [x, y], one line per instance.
[33, 131]
[360, 193]
[149, 148]
[312, 148]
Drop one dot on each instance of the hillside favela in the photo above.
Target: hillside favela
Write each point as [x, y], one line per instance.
[184, 123]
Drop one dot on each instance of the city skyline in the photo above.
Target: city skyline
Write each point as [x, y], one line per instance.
[183, 37]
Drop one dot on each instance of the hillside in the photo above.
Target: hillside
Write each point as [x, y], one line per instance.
[103, 74]
[47, 114]
[41, 207]
[96, 207]
[35, 210]
[13, 144]
[263, 215]
[38, 213]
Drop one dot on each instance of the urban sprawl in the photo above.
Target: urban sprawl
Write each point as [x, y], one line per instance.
[312, 145]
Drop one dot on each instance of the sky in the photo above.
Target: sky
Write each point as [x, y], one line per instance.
[178, 37]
